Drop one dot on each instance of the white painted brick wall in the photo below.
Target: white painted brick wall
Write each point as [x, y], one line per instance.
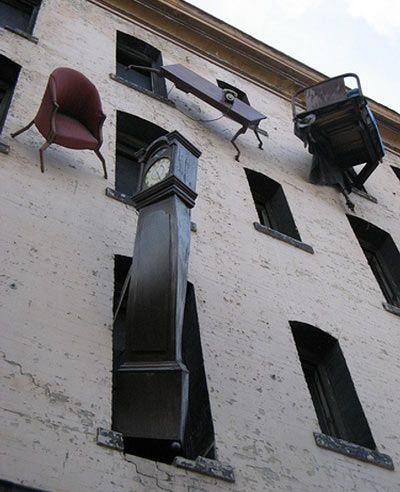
[59, 235]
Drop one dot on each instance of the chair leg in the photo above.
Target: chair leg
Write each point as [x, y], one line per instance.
[97, 152]
[13, 135]
[41, 150]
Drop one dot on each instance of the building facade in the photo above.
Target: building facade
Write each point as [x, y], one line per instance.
[267, 295]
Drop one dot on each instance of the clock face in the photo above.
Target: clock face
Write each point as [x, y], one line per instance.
[157, 172]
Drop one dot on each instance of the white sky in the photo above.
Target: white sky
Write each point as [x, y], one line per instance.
[331, 36]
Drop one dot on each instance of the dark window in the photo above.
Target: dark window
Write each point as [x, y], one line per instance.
[133, 133]
[132, 51]
[396, 171]
[199, 433]
[122, 265]
[335, 400]
[6, 486]
[382, 255]
[271, 204]
[19, 14]
[9, 72]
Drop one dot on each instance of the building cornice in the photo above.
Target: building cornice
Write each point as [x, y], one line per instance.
[237, 51]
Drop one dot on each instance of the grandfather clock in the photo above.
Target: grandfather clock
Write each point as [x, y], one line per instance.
[152, 383]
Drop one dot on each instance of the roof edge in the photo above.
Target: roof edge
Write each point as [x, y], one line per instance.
[236, 51]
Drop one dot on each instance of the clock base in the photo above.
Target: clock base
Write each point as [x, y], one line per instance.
[152, 400]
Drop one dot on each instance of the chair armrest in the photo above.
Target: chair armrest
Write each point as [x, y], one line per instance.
[45, 118]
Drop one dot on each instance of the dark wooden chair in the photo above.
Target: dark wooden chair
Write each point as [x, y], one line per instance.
[340, 131]
[70, 114]
[342, 121]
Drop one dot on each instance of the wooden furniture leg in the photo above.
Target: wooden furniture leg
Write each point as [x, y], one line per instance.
[41, 150]
[15, 134]
[97, 152]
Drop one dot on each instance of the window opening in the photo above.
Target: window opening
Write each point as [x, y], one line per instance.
[6, 486]
[133, 133]
[9, 72]
[396, 171]
[316, 380]
[271, 204]
[19, 14]
[133, 51]
[332, 391]
[199, 431]
[122, 265]
[382, 255]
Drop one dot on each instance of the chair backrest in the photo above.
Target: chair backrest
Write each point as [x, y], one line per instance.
[77, 96]
[325, 93]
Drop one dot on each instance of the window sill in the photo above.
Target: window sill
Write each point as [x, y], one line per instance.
[354, 450]
[392, 309]
[213, 468]
[282, 237]
[22, 33]
[4, 148]
[117, 195]
[365, 195]
[131, 85]
[110, 439]
[205, 466]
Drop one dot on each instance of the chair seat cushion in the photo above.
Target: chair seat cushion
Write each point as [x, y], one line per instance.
[72, 134]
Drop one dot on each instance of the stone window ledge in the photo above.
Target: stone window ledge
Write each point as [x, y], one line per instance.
[22, 33]
[131, 85]
[110, 439]
[213, 468]
[205, 466]
[4, 148]
[283, 237]
[392, 309]
[117, 195]
[354, 450]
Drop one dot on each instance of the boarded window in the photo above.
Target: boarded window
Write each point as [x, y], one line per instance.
[133, 51]
[9, 72]
[271, 204]
[199, 431]
[382, 255]
[333, 394]
[133, 133]
[19, 14]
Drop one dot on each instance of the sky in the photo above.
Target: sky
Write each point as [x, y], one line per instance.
[331, 36]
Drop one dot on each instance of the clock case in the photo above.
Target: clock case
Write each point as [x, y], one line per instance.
[182, 174]
[152, 383]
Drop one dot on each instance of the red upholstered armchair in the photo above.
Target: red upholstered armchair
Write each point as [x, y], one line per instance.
[70, 114]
